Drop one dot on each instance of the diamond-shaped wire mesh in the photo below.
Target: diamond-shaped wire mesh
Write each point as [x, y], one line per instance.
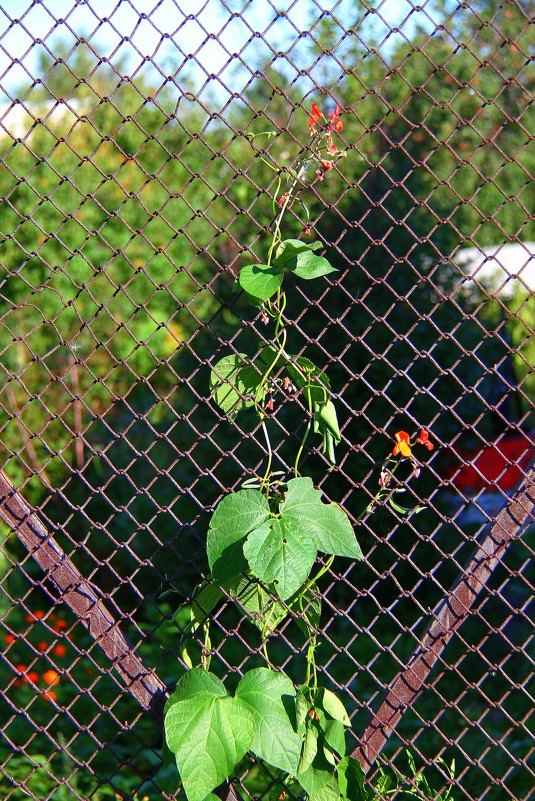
[132, 191]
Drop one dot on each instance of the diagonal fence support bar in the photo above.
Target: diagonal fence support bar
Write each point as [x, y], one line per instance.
[81, 596]
[449, 615]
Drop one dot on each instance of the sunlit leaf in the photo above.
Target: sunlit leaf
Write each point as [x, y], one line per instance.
[207, 730]
[326, 523]
[260, 280]
[300, 259]
[233, 519]
[281, 553]
[270, 697]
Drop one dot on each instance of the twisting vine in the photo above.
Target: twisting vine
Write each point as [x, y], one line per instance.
[263, 542]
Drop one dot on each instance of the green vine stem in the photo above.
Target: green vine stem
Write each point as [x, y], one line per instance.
[263, 544]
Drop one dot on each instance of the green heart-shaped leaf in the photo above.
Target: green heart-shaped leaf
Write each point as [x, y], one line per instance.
[325, 523]
[233, 519]
[207, 730]
[260, 280]
[281, 553]
[300, 259]
[270, 697]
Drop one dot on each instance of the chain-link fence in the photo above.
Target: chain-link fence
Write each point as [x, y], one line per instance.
[141, 147]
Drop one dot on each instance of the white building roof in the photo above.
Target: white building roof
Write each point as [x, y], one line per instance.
[499, 269]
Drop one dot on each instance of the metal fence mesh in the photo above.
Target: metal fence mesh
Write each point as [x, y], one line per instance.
[132, 190]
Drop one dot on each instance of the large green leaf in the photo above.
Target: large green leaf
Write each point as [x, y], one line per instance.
[234, 383]
[325, 523]
[270, 697]
[234, 517]
[260, 280]
[207, 730]
[282, 554]
[300, 259]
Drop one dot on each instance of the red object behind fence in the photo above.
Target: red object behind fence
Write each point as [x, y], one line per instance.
[495, 466]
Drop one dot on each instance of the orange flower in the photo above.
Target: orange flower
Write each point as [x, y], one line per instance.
[50, 695]
[43, 646]
[336, 122]
[423, 439]
[51, 677]
[403, 444]
[59, 650]
[315, 117]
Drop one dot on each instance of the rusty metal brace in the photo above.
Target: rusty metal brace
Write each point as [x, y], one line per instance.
[82, 597]
[447, 618]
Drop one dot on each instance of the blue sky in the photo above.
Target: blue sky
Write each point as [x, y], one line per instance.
[197, 37]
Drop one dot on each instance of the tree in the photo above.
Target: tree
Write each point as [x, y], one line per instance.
[106, 262]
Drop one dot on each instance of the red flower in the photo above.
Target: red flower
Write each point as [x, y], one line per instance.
[327, 164]
[423, 439]
[336, 122]
[32, 617]
[270, 404]
[315, 117]
[283, 198]
[403, 444]
[59, 650]
[26, 676]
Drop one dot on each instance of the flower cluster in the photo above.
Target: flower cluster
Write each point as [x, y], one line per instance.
[328, 149]
[403, 446]
[284, 384]
[50, 678]
[402, 450]
[334, 124]
[45, 679]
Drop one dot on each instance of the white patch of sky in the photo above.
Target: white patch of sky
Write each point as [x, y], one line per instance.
[207, 46]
